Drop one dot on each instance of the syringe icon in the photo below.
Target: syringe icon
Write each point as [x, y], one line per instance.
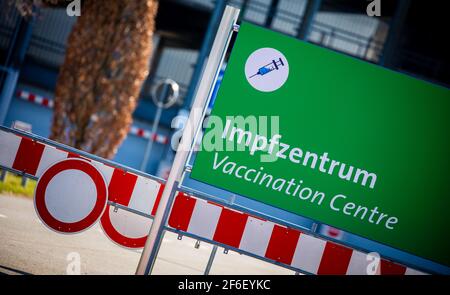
[274, 65]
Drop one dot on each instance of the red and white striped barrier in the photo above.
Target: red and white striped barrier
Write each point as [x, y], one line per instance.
[35, 98]
[270, 240]
[140, 132]
[125, 188]
[49, 103]
[201, 218]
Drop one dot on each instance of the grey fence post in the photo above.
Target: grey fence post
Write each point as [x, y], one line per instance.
[211, 260]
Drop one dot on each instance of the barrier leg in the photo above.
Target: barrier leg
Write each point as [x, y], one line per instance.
[160, 232]
[211, 260]
[24, 181]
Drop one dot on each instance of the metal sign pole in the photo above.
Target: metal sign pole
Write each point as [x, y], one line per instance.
[148, 148]
[213, 65]
[160, 103]
[211, 260]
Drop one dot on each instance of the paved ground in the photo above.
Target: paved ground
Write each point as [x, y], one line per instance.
[27, 246]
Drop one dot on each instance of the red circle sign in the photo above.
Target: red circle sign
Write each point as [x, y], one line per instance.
[70, 196]
[121, 238]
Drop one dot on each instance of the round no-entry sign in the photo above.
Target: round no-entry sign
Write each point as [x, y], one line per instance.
[70, 196]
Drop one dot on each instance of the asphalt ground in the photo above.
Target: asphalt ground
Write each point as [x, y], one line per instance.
[28, 247]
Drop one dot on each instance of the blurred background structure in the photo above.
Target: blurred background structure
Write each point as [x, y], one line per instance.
[32, 52]
[409, 37]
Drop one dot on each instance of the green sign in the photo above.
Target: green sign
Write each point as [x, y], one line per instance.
[338, 140]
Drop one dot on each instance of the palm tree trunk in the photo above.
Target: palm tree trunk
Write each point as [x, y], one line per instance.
[106, 62]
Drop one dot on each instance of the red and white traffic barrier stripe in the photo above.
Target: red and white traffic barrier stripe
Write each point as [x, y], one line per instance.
[35, 98]
[140, 132]
[270, 240]
[189, 214]
[47, 102]
[125, 188]
[135, 192]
